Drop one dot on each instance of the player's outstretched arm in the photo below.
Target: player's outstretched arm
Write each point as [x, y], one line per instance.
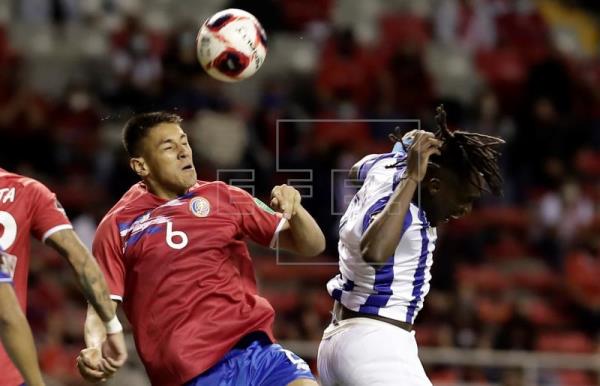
[301, 234]
[17, 338]
[382, 236]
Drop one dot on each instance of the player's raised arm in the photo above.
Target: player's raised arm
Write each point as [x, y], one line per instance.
[382, 236]
[16, 336]
[301, 233]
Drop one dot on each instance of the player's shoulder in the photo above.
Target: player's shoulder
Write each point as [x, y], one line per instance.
[208, 185]
[30, 185]
[218, 187]
[375, 163]
[132, 201]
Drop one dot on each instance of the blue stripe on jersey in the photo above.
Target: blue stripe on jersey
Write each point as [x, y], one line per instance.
[384, 277]
[186, 195]
[419, 278]
[137, 236]
[363, 170]
[337, 294]
[347, 286]
[373, 210]
[125, 225]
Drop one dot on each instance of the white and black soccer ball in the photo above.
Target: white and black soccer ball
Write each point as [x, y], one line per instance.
[231, 45]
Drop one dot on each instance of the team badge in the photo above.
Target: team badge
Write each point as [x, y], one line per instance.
[199, 206]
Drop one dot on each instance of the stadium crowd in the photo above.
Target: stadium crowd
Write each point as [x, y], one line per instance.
[520, 273]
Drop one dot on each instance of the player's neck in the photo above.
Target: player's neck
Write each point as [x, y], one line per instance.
[161, 191]
[427, 205]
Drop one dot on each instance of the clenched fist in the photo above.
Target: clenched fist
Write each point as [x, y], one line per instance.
[286, 200]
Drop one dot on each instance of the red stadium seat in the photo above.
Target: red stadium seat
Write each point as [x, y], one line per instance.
[323, 304]
[576, 378]
[504, 70]
[587, 162]
[543, 313]
[282, 301]
[399, 29]
[494, 311]
[445, 377]
[570, 341]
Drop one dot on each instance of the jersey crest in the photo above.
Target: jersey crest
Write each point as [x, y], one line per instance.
[199, 206]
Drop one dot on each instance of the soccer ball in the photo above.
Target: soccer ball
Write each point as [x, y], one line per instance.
[231, 45]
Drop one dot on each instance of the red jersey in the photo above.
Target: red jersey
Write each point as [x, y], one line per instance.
[26, 208]
[183, 272]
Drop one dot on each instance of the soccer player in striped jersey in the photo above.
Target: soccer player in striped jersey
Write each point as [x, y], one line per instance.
[387, 238]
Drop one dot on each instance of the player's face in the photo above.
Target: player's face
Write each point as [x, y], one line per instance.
[168, 158]
[454, 196]
[461, 194]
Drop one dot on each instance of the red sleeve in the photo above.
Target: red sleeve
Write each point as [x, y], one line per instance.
[108, 251]
[47, 216]
[258, 222]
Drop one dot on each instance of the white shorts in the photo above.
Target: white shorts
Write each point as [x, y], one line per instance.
[368, 352]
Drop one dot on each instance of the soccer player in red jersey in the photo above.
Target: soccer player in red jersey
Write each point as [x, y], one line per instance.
[173, 252]
[27, 208]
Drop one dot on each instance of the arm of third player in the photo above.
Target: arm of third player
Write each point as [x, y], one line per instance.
[95, 290]
[17, 338]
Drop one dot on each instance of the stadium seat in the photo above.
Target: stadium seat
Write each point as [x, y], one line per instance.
[567, 341]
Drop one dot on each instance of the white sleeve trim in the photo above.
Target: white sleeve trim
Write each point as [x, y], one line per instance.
[6, 280]
[277, 230]
[55, 229]
[117, 298]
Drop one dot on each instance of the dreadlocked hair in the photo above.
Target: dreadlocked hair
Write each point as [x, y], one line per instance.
[471, 155]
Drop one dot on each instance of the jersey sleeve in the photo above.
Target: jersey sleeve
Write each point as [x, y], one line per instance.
[376, 193]
[363, 166]
[257, 221]
[108, 251]
[48, 216]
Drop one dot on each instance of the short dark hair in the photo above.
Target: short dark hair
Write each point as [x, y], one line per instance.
[138, 126]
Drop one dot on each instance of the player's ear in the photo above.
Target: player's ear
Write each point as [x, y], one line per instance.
[139, 166]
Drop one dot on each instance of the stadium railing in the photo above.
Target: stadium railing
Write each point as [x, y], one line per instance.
[530, 363]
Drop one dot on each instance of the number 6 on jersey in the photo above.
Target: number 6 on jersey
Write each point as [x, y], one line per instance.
[172, 235]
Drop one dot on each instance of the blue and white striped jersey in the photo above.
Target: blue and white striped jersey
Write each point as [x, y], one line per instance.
[397, 288]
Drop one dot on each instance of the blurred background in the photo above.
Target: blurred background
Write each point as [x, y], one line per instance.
[515, 297]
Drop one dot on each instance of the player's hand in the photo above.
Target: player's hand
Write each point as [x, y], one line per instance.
[114, 353]
[89, 365]
[423, 146]
[286, 200]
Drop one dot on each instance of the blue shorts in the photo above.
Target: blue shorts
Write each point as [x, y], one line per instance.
[260, 363]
